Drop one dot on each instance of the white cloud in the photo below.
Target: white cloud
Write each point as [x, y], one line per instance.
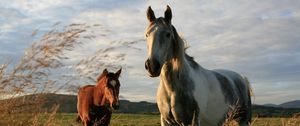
[259, 39]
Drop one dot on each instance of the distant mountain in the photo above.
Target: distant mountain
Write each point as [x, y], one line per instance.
[270, 105]
[67, 104]
[138, 107]
[291, 104]
[267, 111]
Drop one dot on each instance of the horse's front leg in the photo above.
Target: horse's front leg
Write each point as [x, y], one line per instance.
[196, 119]
[87, 123]
[163, 122]
[195, 123]
[106, 119]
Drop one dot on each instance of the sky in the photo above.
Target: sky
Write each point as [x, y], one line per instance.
[259, 39]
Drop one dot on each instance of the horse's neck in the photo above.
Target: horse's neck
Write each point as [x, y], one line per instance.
[176, 59]
[174, 72]
[178, 73]
[98, 95]
[176, 66]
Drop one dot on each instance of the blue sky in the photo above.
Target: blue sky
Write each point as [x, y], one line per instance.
[259, 39]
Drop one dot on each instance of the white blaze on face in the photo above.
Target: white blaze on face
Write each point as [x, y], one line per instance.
[113, 83]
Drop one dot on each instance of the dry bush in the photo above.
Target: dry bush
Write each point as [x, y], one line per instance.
[256, 121]
[32, 74]
[231, 114]
[293, 121]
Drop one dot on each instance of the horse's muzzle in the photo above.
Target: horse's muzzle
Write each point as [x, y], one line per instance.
[153, 67]
[116, 106]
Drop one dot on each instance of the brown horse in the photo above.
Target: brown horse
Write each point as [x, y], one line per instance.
[93, 100]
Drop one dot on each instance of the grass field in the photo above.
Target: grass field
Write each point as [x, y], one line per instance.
[68, 119]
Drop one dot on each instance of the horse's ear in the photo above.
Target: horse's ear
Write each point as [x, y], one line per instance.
[168, 14]
[119, 72]
[105, 71]
[150, 14]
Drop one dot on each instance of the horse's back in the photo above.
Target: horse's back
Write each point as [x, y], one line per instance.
[233, 83]
[228, 73]
[87, 88]
[233, 78]
[85, 93]
[237, 90]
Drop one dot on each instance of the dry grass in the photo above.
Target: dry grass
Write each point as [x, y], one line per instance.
[293, 121]
[235, 109]
[31, 74]
[110, 57]
[118, 119]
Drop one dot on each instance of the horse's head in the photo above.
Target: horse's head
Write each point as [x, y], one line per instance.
[160, 38]
[111, 87]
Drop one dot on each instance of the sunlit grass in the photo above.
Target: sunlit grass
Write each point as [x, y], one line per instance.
[119, 119]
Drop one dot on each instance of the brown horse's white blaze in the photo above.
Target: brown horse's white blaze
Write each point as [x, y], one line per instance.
[189, 94]
[92, 100]
[112, 94]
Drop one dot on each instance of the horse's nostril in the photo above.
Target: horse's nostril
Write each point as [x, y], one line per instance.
[156, 64]
[147, 64]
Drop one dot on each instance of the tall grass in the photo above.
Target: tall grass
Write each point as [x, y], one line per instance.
[31, 75]
[234, 111]
[256, 121]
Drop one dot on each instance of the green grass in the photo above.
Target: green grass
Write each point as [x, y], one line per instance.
[135, 120]
[68, 119]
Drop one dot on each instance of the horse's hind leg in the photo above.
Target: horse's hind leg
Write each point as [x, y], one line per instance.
[246, 114]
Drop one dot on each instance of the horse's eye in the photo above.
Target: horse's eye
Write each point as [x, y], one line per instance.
[168, 35]
[146, 35]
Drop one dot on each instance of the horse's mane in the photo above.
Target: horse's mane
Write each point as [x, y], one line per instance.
[100, 77]
[181, 45]
[103, 75]
[179, 48]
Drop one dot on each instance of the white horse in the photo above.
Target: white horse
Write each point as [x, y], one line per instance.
[189, 94]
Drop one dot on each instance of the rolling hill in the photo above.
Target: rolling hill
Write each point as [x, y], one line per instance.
[67, 104]
[290, 104]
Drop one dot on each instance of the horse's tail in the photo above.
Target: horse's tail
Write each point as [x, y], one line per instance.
[250, 93]
[249, 86]
[78, 119]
